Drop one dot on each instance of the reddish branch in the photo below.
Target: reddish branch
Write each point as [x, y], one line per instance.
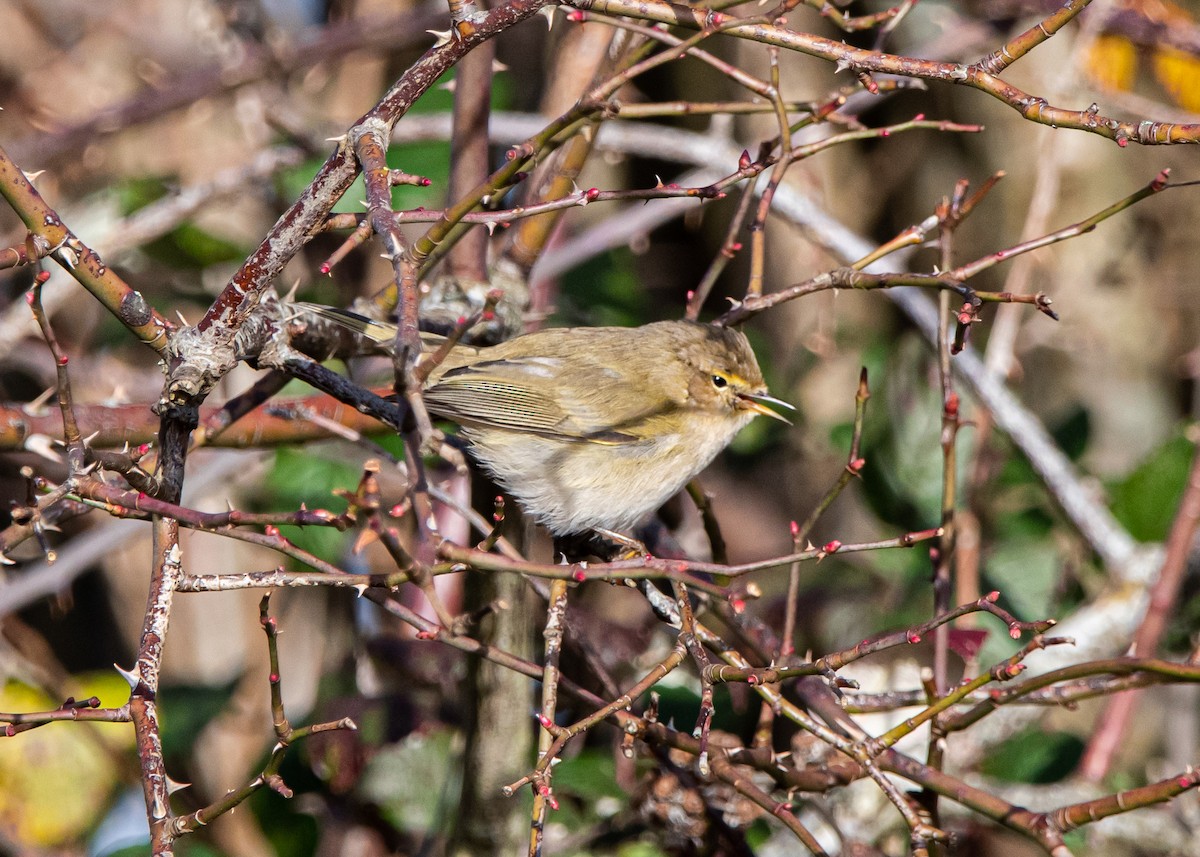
[952, 280]
[1031, 107]
[43, 222]
[1114, 724]
[201, 355]
[205, 353]
[278, 422]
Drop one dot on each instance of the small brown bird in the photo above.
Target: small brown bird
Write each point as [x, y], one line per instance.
[594, 427]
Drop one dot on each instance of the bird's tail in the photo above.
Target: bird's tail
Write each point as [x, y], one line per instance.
[381, 332]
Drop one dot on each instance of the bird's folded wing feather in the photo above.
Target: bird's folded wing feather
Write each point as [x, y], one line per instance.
[534, 394]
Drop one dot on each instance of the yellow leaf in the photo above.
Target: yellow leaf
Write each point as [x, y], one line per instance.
[1112, 62]
[1179, 74]
[57, 779]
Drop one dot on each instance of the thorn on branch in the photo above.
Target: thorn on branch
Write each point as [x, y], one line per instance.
[1041, 302]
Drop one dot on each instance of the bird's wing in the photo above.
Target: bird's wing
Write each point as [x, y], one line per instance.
[539, 395]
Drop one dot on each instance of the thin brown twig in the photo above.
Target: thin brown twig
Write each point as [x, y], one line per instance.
[563, 734]
[951, 279]
[1111, 730]
[1031, 107]
[543, 798]
[648, 567]
[712, 526]
[758, 226]
[76, 453]
[285, 736]
[83, 263]
[1020, 45]
[468, 260]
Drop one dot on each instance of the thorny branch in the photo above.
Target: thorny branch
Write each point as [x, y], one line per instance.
[231, 332]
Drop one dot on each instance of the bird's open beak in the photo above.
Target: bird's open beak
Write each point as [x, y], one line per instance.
[757, 402]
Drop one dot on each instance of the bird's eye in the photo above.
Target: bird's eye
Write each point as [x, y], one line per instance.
[720, 381]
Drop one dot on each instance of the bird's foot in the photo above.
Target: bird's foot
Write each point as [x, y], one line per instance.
[620, 546]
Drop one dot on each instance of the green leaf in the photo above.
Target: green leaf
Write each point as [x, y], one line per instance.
[1147, 500]
[139, 192]
[641, 848]
[591, 775]
[186, 710]
[1027, 575]
[185, 246]
[1035, 756]
[758, 833]
[1073, 433]
[901, 442]
[56, 783]
[679, 701]
[410, 780]
[608, 286]
[291, 829]
[189, 246]
[301, 477]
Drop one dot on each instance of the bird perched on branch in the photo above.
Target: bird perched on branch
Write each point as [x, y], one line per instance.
[594, 428]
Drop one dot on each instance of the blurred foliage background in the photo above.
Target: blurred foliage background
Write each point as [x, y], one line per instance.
[1114, 381]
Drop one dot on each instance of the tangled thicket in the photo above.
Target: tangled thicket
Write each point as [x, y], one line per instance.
[920, 621]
